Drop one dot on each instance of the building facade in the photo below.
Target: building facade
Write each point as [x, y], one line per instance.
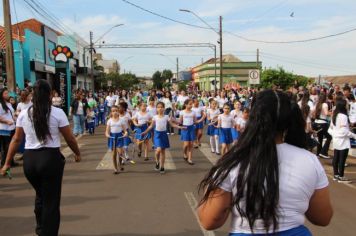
[234, 71]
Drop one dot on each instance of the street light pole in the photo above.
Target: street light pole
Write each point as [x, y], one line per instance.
[220, 42]
[9, 57]
[221, 54]
[215, 68]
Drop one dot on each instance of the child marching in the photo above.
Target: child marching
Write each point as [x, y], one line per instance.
[141, 120]
[160, 136]
[187, 118]
[236, 114]
[212, 115]
[200, 116]
[225, 124]
[115, 132]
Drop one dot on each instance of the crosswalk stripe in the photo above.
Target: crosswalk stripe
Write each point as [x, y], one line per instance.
[169, 164]
[205, 149]
[193, 205]
[106, 163]
[66, 152]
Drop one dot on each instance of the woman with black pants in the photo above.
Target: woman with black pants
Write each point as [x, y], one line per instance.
[341, 133]
[7, 125]
[42, 125]
[321, 126]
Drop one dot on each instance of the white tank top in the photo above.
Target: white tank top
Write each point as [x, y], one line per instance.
[161, 122]
[227, 121]
[115, 126]
[188, 117]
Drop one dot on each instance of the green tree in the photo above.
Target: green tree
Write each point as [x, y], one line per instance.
[167, 75]
[281, 78]
[158, 80]
[183, 85]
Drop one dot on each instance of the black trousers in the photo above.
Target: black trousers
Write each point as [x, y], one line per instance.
[323, 133]
[339, 161]
[43, 168]
[4, 145]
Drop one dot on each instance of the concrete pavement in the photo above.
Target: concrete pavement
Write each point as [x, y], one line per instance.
[139, 201]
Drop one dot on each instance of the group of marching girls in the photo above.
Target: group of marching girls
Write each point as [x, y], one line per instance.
[149, 121]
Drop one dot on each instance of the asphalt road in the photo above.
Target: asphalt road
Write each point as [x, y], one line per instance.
[139, 201]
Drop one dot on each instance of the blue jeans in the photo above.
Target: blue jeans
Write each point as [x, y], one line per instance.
[102, 118]
[78, 124]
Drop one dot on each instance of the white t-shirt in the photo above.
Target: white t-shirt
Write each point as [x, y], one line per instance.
[341, 132]
[7, 116]
[198, 111]
[300, 174]
[80, 110]
[116, 126]
[181, 99]
[167, 103]
[126, 118]
[212, 114]
[227, 121]
[221, 102]
[236, 113]
[152, 110]
[352, 116]
[57, 119]
[188, 117]
[240, 122]
[142, 118]
[161, 122]
[23, 106]
[110, 100]
[323, 115]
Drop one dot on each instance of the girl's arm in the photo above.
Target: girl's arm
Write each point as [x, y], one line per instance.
[171, 123]
[125, 130]
[203, 116]
[149, 128]
[219, 123]
[135, 122]
[107, 131]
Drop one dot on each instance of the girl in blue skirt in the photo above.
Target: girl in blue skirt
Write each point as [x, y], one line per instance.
[126, 117]
[141, 120]
[200, 116]
[115, 132]
[236, 113]
[187, 118]
[225, 123]
[212, 115]
[160, 136]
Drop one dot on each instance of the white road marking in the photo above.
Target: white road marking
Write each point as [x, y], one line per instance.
[106, 163]
[66, 152]
[193, 205]
[205, 149]
[169, 164]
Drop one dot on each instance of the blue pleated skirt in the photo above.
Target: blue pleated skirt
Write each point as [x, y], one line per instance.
[160, 139]
[299, 231]
[139, 130]
[116, 138]
[235, 134]
[225, 136]
[188, 134]
[199, 125]
[212, 130]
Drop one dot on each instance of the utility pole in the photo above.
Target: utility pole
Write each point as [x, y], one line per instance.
[221, 54]
[9, 57]
[258, 58]
[215, 69]
[177, 69]
[91, 61]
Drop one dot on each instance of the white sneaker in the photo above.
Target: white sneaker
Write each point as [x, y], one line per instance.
[344, 180]
[336, 177]
[324, 156]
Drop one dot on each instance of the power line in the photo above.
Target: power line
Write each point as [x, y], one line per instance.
[242, 37]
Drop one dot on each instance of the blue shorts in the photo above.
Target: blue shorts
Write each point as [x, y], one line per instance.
[225, 136]
[115, 141]
[160, 139]
[188, 134]
[299, 231]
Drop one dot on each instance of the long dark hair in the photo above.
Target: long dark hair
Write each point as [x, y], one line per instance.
[2, 101]
[255, 155]
[41, 109]
[340, 107]
[321, 100]
[304, 104]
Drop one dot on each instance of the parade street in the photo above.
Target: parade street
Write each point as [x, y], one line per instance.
[140, 201]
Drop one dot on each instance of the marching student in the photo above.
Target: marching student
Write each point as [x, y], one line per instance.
[200, 116]
[236, 113]
[187, 118]
[341, 134]
[151, 108]
[141, 120]
[160, 136]
[126, 118]
[115, 132]
[225, 124]
[101, 108]
[212, 115]
[91, 120]
[241, 121]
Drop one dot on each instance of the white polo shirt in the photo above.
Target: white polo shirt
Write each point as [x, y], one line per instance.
[57, 119]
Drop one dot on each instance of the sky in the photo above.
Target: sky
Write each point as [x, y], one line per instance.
[273, 20]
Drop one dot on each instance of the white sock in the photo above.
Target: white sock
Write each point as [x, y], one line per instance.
[212, 143]
[217, 144]
[126, 155]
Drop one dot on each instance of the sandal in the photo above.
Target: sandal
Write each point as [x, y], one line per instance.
[146, 159]
[190, 163]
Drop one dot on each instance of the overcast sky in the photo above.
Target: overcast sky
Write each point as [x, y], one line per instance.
[273, 20]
